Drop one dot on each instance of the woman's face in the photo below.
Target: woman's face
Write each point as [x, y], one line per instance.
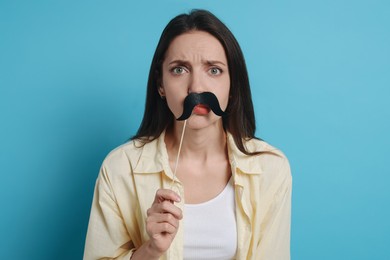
[195, 62]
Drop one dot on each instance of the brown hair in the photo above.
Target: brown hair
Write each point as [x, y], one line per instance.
[240, 119]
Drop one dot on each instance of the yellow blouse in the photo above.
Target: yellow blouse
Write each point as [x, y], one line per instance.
[131, 174]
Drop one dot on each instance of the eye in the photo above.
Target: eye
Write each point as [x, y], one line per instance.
[215, 71]
[178, 70]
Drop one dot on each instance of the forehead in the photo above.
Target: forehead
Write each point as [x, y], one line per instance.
[196, 43]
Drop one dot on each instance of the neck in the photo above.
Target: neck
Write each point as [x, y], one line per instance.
[198, 144]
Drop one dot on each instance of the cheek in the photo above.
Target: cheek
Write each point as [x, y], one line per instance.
[224, 102]
[174, 96]
[223, 95]
[175, 104]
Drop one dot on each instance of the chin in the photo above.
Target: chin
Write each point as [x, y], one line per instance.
[197, 122]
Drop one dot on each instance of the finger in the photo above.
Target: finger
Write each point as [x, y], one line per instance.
[165, 207]
[159, 228]
[161, 218]
[169, 207]
[165, 194]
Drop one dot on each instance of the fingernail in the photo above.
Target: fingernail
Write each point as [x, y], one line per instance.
[178, 199]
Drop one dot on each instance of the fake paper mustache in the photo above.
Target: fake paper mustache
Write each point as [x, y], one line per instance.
[204, 98]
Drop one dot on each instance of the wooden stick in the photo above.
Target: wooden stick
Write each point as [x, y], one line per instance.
[178, 153]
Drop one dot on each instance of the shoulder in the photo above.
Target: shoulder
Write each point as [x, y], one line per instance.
[273, 166]
[120, 161]
[270, 161]
[125, 154]
[135, 156]
[267, 151]
[258, 145]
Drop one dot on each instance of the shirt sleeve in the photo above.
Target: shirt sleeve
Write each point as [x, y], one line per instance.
[107, 236]
[275, 244]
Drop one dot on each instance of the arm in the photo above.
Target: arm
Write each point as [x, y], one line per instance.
[161, 225]
[275, 242]
[107, 235]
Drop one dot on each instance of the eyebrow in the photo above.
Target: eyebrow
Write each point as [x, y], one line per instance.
[178, 62]
[208, 62]
[212, 62]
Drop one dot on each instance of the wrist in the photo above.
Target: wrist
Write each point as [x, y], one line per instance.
[146, 251]
[152, 252]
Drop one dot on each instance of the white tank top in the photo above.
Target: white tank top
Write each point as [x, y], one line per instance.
[210, 230]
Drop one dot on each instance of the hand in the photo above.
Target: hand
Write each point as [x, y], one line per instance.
[162, 220]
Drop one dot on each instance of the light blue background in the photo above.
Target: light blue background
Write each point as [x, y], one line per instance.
[72, 87]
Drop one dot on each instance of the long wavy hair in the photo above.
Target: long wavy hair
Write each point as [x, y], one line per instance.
[240, 118]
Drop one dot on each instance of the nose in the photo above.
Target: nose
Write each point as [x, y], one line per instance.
[196, 83]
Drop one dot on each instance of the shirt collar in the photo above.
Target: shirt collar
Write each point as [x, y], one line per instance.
[154, 157]
[246, 164]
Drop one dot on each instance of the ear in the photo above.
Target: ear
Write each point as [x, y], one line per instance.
[161, 91]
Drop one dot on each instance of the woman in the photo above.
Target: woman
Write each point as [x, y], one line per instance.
[203, 188]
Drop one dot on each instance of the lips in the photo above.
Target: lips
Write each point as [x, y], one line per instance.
[201, 109]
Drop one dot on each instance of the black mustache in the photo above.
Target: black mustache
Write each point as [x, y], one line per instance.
[204, 98]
